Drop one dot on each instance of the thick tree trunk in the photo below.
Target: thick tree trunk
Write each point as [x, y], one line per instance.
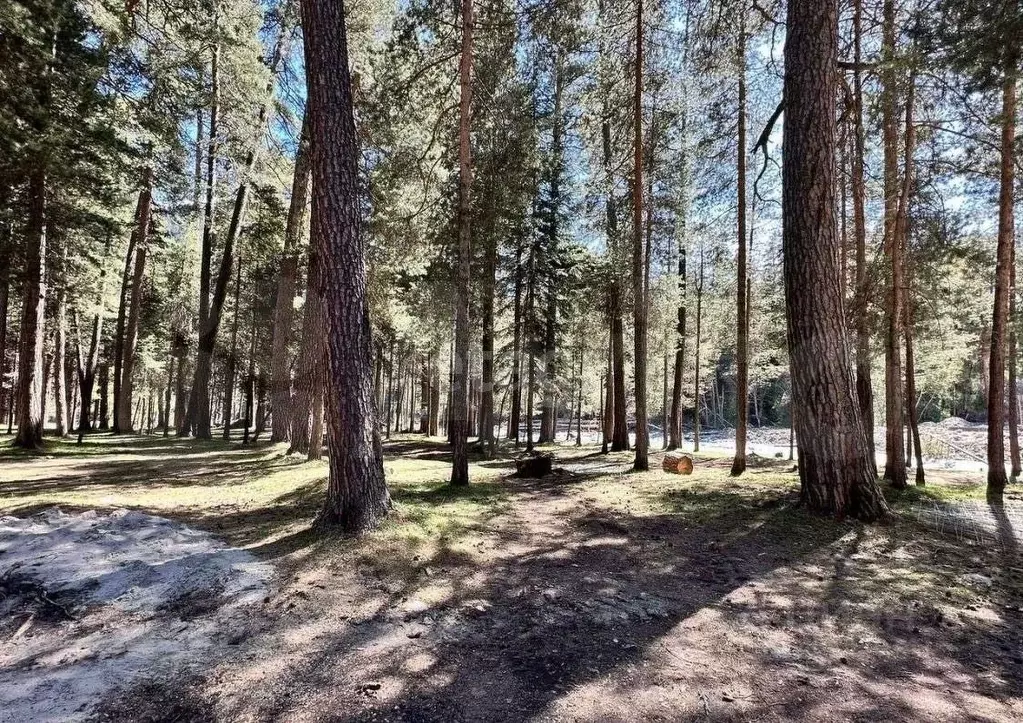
[284, 306]
[742, 275]
[996, 477]
[864, 385]
[835, 472]
[639, 301]
[232, 359]
[131, 329]
[459, 399]
[357, 497]
[31, 377]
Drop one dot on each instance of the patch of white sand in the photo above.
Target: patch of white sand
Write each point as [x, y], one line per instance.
[149, 597]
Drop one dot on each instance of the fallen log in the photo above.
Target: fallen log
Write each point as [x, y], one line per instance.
[677, 463]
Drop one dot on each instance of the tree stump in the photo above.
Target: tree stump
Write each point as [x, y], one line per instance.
[677, 463]
[537, 465]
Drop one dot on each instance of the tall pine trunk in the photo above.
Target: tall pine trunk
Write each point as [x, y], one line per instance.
[639, 261]
[515, 416]
[131, 328]
[835, 473]
[357, 497]
[232, 359]
[459, 399]
[308, 371]
[742, 276]
[31, 376]
[996, 477]
[895, 464]
[864, 385]
[284, 306]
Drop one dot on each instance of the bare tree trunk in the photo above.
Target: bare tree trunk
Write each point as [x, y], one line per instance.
[515, 416]
[696, 357]
[675, 422]
[357, 497]
[459, 400]
[836, 476]
[310, 359]
[131, 330]
[232, 360]
[60, 387]
[742, 274]
[864, 385]
[31, 376]
[250, 374]
[641, 461]
[1013, 361]
[284, 306]
[895, 465]
[996, 477]
[486, 417]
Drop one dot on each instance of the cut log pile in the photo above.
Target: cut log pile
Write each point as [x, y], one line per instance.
[677, 463]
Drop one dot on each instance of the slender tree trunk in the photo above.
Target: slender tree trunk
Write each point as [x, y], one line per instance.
[131, 329]
[607, 400]
[31, 376]
[357, 497]
[166, 422]
[579, 401]
[675, 422]
[459, 400]
[864, 385]
[486, 417]
[232, 359]
[515, 417]
[638, 261]
[390, 391]
[284, 306]
[122, 315]
[308, 370]
[250, 374]
[742, 274]
[199, 412]
[1013, 361]
[435, 396]
[996, 477]
[696, 357]
[88, 362]
[902, 238]
[60, 387]
[836, 476]
[895, 465]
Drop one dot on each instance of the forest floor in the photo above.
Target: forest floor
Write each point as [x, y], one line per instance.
[594, 594]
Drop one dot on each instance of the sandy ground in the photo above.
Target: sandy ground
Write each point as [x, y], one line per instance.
[592, 595]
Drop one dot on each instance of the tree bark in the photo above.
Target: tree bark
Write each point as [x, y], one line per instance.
[696, 356]
[232, 360]
[836, 476]
[641, 462]
[308, 371]
[357, 497]
[88, 363]
[515, 416]
[996, 477]
[742, 275]
[459, 399]
[284, 306]
[895, 464]
[131, 329]
[60, 386]
[31, 376]
[864, 385]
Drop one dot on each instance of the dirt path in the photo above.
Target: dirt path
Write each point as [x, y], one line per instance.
[579, 602]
